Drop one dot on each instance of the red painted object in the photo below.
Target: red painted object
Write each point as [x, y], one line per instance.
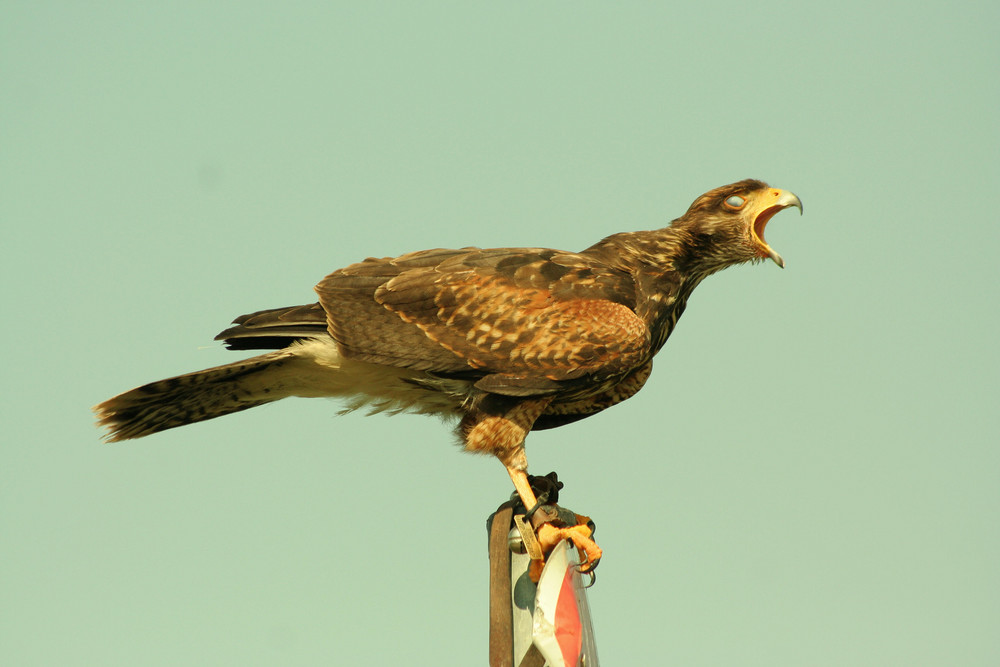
[561, 627]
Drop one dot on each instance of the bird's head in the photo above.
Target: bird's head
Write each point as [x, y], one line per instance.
[726, 225]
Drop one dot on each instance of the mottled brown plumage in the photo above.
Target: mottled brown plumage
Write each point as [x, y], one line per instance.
[506, 340]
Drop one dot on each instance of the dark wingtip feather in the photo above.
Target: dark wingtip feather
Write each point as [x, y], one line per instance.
[275, 328]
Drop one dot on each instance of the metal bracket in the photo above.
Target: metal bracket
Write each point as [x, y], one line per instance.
[531, 545]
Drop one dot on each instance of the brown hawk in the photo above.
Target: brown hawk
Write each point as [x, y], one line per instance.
[506, 340]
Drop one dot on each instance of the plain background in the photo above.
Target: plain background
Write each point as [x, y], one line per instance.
[809, 478]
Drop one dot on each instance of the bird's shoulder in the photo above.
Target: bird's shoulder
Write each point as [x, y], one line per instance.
[562, 274]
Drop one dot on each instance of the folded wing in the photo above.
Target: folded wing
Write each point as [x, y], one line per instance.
[523, 320]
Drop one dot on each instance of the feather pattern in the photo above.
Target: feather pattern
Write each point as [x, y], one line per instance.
[505, 339]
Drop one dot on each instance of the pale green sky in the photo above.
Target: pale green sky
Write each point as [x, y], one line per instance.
[809, 478]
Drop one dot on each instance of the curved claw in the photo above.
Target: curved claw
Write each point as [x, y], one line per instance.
[593, 575]
[587, 566]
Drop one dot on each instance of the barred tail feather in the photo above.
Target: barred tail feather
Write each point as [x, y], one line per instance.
[193, 397]
[310, 367]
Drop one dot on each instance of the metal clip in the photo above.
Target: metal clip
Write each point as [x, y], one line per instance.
[531, 545]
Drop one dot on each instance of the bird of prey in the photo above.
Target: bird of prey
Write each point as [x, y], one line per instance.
[505, 340]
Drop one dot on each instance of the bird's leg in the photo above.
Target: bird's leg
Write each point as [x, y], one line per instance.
[548, 535]
[500, 427]
[523, 487]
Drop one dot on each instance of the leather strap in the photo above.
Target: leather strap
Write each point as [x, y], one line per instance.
[501, 609]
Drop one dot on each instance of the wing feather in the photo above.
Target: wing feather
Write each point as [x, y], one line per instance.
[516, 313]
[275, 328]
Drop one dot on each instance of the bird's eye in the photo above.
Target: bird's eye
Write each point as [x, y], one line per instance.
[735, 201]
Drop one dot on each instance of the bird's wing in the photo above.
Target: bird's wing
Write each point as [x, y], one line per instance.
[275, 328]
[522, 319]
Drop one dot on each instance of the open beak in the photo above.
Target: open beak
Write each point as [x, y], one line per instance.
[772, 201]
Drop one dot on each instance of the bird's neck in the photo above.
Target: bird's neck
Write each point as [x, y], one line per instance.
[666, 266]
[675, 249]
